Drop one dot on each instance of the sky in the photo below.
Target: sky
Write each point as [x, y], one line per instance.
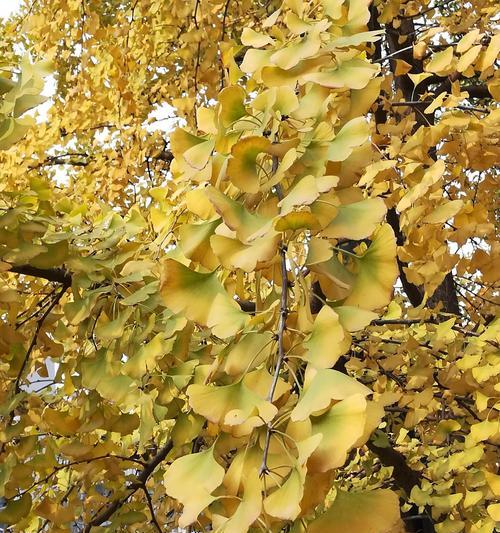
[8, 6]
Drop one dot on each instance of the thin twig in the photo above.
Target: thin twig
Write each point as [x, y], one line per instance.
[34, 341]
[154, 520]
[281, 331]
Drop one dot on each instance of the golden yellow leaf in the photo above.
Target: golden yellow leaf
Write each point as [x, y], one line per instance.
[191, 479]
[375, 511]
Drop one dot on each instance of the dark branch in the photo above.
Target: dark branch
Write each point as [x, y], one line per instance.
[57, 275]
[34, 341]
[142, 478]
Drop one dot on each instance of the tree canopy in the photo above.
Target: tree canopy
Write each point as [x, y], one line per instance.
[247, 266]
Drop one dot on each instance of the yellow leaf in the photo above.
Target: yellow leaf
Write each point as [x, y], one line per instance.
[201, 297]
[468, 40]
[248, 353]
[491, 53]
[341, 427]
[450, 526]
[195, 242]
[468, 58]
[375, 511]
[402, 67]
[191, 480]
[357, 220]
[232, 107]
[431, 176]
[441, 62]
[444, 212]
[284, 502]
[354, 318]
[353, 134]
[289, 56]
[493, 481]
[250, 37]
[494, 511]
[353, 74]
[243, 168]
[231, 405]
[303, 193]
[145, 359]
[234, 254]
[377, 271]
[16, 510]
[327, 340]
[321, 387]
[250, 507]
[55, 256]
[297, 220]
[198, 203]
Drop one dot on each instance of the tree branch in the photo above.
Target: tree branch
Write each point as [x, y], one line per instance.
[39, 325]
[107, 512]
[281, 330]
[58, 275]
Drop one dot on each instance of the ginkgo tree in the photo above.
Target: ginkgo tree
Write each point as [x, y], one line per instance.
[276, 313]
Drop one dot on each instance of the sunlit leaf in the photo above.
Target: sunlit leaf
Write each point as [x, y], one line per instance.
[191, 480]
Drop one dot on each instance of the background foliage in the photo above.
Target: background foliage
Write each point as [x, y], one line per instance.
[275, 313]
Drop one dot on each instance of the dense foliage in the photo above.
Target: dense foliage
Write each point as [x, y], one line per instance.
[247, 266]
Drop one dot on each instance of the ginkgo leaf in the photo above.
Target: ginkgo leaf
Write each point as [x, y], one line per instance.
[375, 511]
[259, 381]
[354, 318]
[353, 74]
[494, 511]
[284, 502]
[444, 212]
[234, 254]
[248, 353]
[468, 40]
[198, 203]
[306, 191]
[441, 62]
[247, 225]
[341, 427]
[195, 242]
[297, 220]
[282, 99]
[12, 130]
[352, 134]
[321, 387]
[113, 329]
[231, 405]
[278, 77]
[249, 509]
[181, 141]
[146, 357]
[191, 480]
[357, 220]
[327, 340]
[303, 193]
[250, 37]
[121, 390]
[287, 57]
[243, 168]
[201, 297]
[16, 510]
[55, 255]
[357, 39]
[232, 107]
[377, 271]
[431, 176]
